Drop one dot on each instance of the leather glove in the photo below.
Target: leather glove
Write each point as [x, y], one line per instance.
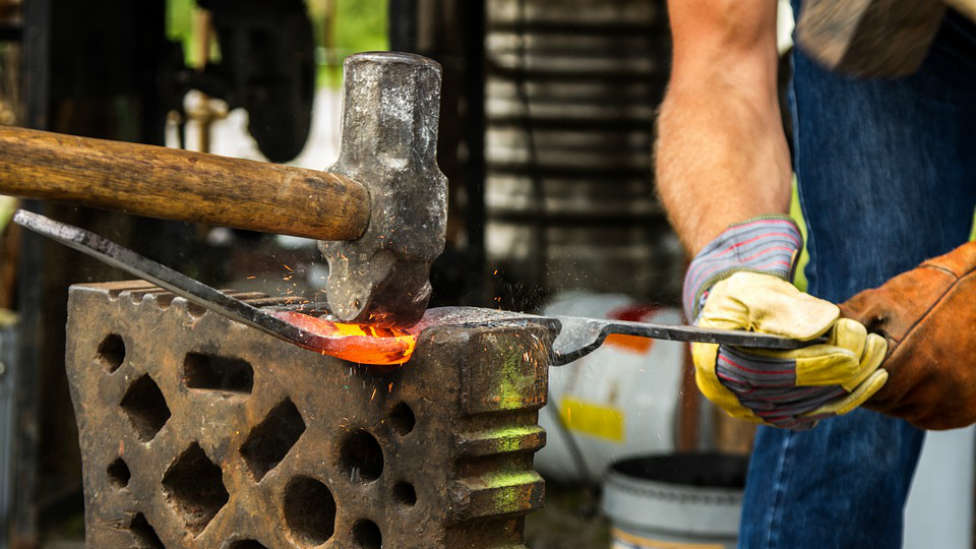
[739, 281]
[928, 316]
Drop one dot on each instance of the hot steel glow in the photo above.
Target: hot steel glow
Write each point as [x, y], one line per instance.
[361, 343]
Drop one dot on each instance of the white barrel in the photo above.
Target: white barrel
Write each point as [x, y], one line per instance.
[676, 501]
[621, 400]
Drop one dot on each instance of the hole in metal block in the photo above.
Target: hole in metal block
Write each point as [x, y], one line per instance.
[404, 493]
[146, 407]
[118, 473]
[367, 534]
[270, 441]
[217, 373]
[194, 486]
[247, 544]
[309, 510]
[144, 533]
[196, 311]
[111, 352]
[164, 300]
[402, 419]
[361, 456]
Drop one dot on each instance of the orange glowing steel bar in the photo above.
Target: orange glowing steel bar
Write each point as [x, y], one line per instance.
[361, 343]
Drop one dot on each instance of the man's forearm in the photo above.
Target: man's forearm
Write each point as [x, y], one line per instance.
[721, 155]
[716, 166]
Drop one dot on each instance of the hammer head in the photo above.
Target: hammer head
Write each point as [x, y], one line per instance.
[869, 38]
[389, 144]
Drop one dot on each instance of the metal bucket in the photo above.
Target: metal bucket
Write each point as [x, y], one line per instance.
[677, 501]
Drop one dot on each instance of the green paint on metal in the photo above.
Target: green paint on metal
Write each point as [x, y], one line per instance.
[509, 388]
[502, 479]
[513, 490]
[508, 439]
[513, 381]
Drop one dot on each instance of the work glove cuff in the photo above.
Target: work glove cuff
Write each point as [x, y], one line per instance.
[927, 315]
[768, 244]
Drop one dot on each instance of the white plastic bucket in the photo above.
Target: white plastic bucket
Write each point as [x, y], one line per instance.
[621, 400]
[677, 501]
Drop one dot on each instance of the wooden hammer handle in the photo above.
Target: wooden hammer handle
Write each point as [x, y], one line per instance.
[182, 185]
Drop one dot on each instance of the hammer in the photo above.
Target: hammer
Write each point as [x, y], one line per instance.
[379, 213]
[873, 38]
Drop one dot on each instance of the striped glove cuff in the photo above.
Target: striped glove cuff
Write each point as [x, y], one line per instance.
[765, 245]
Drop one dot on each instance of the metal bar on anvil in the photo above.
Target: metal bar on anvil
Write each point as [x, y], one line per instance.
[576, 337]
[190, 289]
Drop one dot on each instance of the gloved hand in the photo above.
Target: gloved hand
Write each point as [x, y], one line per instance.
[739, 282]
[928, 316]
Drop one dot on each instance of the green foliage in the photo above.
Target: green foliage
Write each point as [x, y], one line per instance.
[179, 25]
[360, 25]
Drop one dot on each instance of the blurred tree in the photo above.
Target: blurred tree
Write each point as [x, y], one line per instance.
[179, 25]
[355, 26]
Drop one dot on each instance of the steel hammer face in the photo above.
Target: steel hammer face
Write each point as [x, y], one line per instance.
[389, 144]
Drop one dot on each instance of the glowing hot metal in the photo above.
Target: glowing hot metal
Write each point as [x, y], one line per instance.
[360, 343]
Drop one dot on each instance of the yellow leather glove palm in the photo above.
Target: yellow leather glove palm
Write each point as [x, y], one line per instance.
[790, 389]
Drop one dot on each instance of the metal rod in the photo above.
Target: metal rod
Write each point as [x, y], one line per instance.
[161, 275]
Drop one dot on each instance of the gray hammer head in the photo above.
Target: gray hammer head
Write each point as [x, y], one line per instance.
[869, 38]
[389, 143]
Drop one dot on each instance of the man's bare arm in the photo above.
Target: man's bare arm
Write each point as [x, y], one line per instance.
[721, 155]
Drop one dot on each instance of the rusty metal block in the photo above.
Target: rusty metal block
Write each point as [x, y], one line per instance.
[198, 432]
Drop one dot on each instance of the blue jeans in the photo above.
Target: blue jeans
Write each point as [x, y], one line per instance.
[887, 174]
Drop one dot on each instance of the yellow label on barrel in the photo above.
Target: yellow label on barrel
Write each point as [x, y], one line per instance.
[623, 540]
[592, 419]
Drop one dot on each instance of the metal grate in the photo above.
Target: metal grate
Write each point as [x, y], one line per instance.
[571, 94]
